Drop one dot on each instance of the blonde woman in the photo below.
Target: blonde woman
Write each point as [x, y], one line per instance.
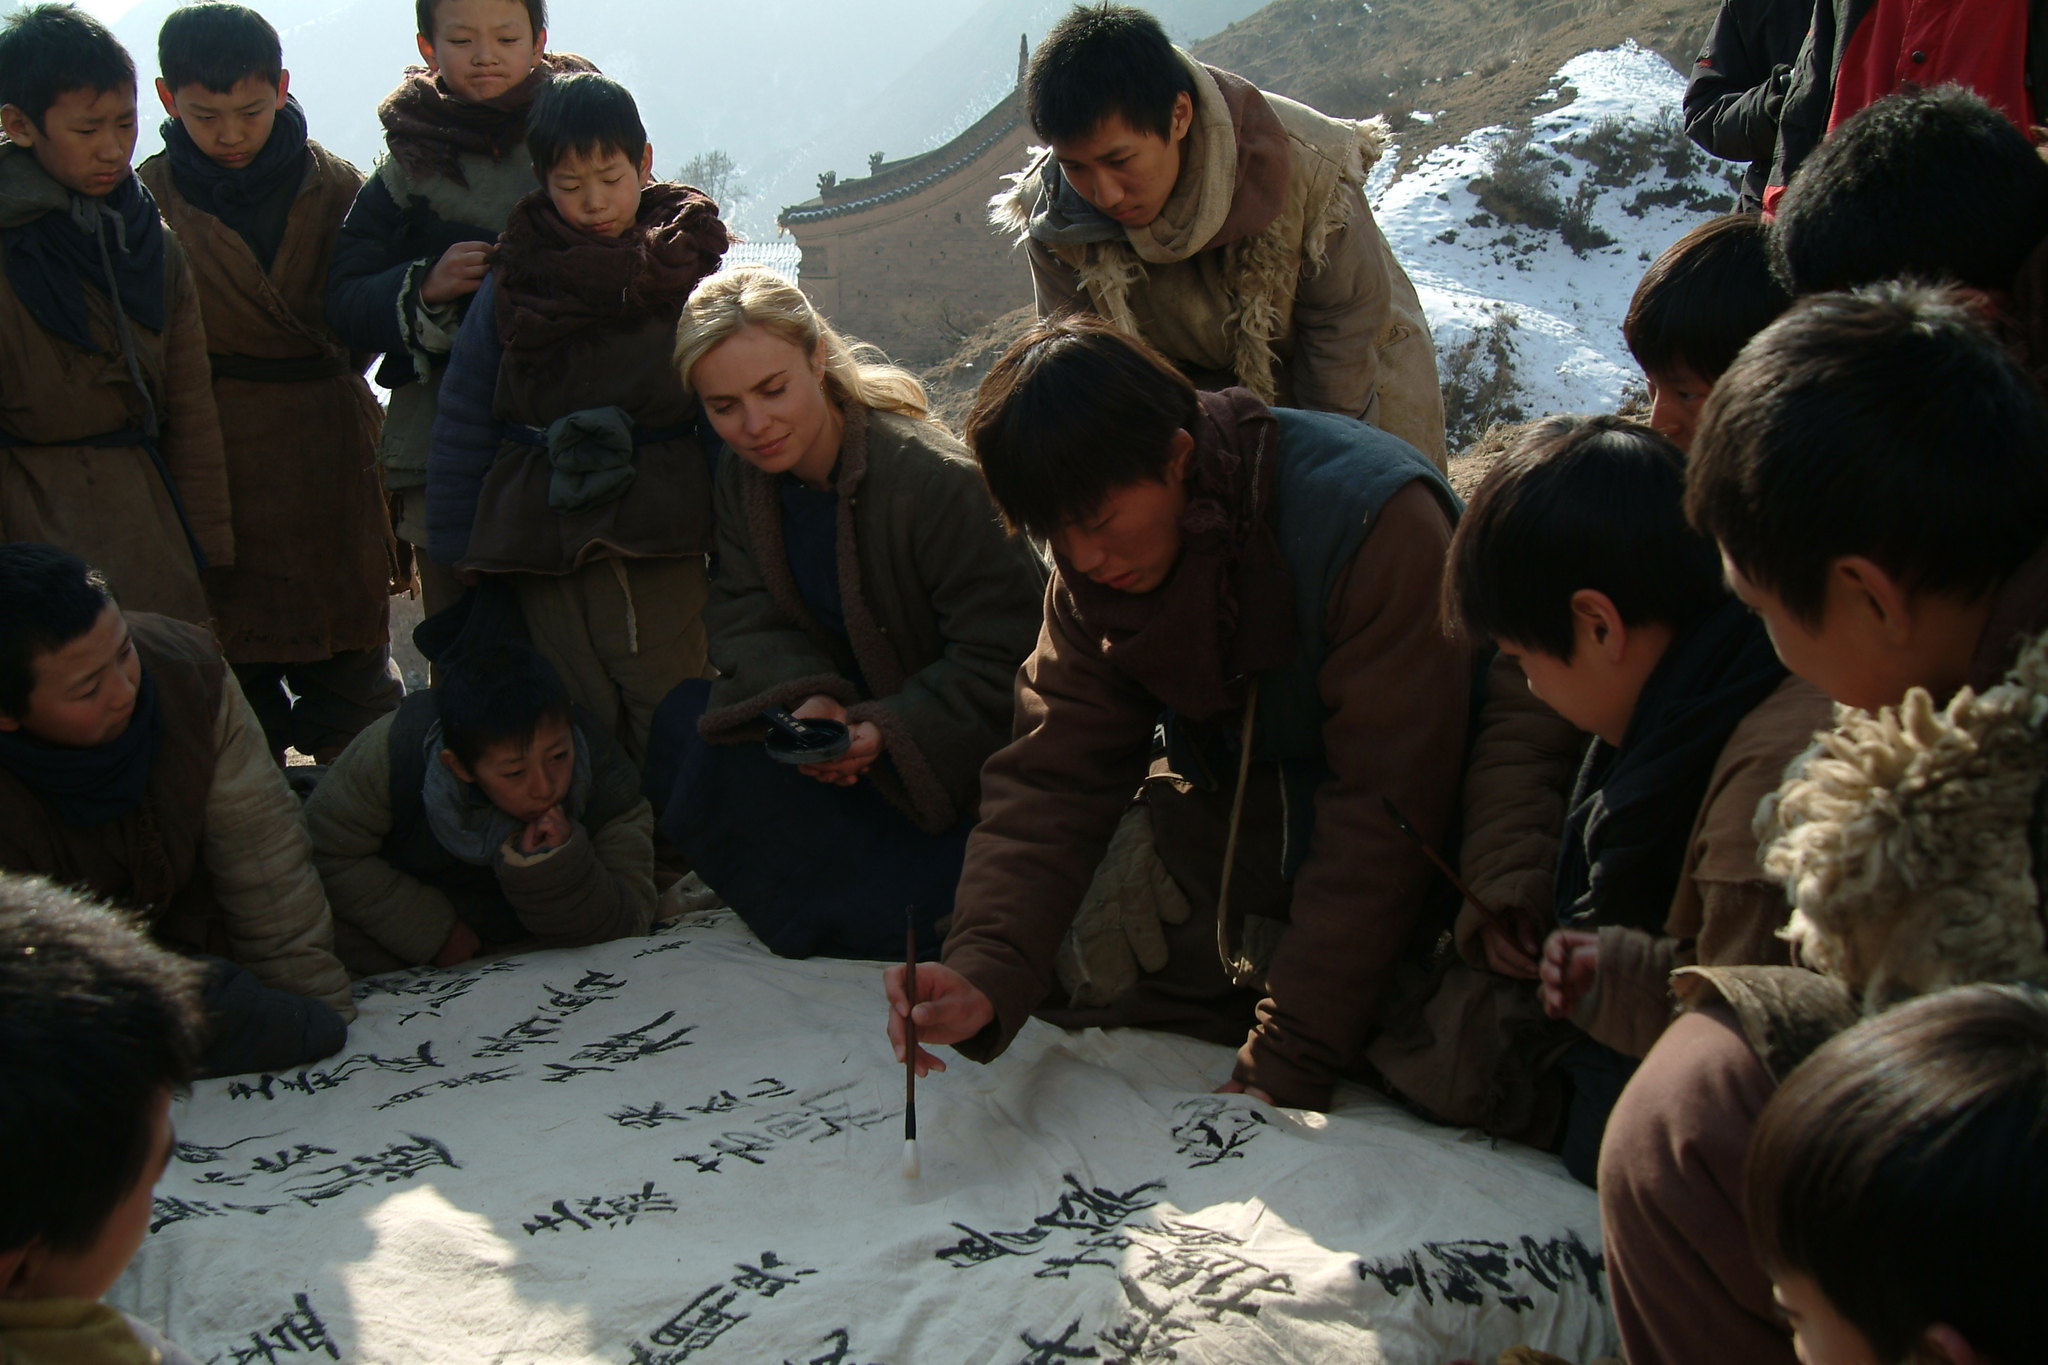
[862, 576]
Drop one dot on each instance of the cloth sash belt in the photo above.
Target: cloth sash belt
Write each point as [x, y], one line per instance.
[116, 440]
[295, 369]
[592, 454]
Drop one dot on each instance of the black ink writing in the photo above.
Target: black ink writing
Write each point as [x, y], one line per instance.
[667, 947]
[197, 1155]
[653, 1116]
[503, 1073]
[1214, 1130]
[1467, 1272]
[634, 1044]
[298, 1333]
[430, 990]
[594, 987]
[400, 1161]
[600, 1211]
[284, 1160]
[534, 1032]
[1175, 1274]
[838, 1344]
[540, 1029]
[166, 1211]
[310, 1081]
[1085, 1209]
[709, 1316]
[724, 1102]
[826, 1114]
[1062, 1347]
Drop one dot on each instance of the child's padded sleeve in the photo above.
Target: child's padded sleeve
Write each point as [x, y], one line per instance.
[1518, 779]
[348, 818]
[365, 282]
[466, 433]
[261, 860]
[591, 889]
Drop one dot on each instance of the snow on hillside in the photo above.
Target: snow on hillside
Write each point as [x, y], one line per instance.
[1471, 268]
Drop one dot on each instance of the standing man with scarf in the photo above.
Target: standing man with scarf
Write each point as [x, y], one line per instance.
[1263, 584]
[109, 444]
[419, 239]
[257, 206]
[1225, 225]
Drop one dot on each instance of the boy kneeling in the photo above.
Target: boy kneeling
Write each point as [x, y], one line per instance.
[481, 813]
[1574, 557]
[98, 1027]
[131, 766]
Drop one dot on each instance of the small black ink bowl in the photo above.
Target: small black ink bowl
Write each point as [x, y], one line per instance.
[804, 741]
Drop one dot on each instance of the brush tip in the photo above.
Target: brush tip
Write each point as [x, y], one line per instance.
[911, 1169]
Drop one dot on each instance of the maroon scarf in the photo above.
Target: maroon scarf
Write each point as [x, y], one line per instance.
[1226, 612]
[429, 129]
[555, 280]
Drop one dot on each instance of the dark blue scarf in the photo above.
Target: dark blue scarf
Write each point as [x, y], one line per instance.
[1632, 808]
[254, 200]
[51, 259]
[93, 786]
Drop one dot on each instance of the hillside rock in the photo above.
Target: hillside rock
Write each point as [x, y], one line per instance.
[951, 383]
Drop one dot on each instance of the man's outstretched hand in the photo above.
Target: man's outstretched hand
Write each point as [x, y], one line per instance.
[950, 1009]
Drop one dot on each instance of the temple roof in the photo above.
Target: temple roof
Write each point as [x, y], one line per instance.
[897, 180]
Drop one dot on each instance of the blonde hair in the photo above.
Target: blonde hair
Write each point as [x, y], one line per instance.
[753, 295]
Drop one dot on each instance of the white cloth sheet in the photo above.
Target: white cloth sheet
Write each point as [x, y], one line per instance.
[681, 1148]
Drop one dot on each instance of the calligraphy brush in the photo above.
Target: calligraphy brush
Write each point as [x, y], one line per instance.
[1486, 912]
[911, 1169]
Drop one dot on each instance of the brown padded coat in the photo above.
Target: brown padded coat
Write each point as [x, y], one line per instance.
[216, 857]
[1304, 303]
[108, 505]
[1723, 910]
[313, 545]
[1396, 691]
[1687, 1289]
[665, 513]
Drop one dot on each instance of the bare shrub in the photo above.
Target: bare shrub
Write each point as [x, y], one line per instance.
[1479, 382]
[1516, 187]
[1576, 224]
[1619, 151]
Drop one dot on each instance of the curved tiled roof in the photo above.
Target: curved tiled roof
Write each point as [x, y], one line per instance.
[809, 214]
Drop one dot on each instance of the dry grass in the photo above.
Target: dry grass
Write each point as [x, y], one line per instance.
[1474, 63]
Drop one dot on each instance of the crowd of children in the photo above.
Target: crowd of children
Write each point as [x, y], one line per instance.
[1158, 693]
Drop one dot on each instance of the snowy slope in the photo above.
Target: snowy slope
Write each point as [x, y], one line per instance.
[1567, 307]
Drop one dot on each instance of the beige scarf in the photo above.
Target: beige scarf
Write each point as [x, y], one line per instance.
[1200, 202]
